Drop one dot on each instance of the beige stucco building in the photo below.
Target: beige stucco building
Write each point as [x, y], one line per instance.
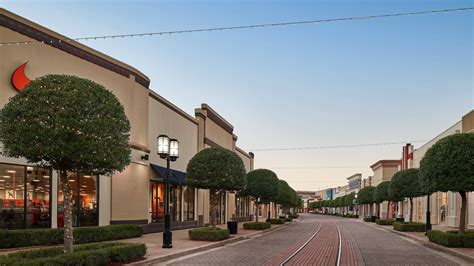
[136, 194]
[444, 206]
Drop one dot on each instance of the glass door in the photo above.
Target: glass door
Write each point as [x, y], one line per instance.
[157, 205]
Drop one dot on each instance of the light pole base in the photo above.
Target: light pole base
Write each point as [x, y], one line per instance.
[167, 235]
[167, 239]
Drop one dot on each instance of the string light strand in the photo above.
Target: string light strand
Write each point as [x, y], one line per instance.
[254, 26]
[336, 146]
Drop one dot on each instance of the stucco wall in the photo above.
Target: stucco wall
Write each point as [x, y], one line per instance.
[164, 120]
[43, 59]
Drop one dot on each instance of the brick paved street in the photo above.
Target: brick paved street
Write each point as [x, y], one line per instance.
[361, 244]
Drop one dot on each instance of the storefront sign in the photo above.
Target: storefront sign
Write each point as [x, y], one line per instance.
[19, 79]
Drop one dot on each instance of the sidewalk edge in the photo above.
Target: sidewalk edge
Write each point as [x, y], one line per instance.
[430, 245]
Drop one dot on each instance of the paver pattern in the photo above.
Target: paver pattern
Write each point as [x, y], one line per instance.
[259, 250]
[361, 244]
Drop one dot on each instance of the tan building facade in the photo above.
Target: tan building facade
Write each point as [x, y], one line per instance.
[444, 206]
[384, 171]
[135, 195]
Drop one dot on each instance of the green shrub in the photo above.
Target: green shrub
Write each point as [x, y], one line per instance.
[293, 216]
[353, 216]
[257, 225]
[88, 254]
[409, 227]
[384, 221]
[452, 238]
[208, 234]
[282, 217]
[276, 221]
[367, 219]
[289, 219]
[54, 236]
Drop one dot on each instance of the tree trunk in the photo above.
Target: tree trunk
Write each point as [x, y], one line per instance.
[462, 216]
[269, 211]
[213, 207]
[256, 211]
[68, 234]
[411, 210]
[388, 208]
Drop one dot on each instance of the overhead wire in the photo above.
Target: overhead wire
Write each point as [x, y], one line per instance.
[241, 27]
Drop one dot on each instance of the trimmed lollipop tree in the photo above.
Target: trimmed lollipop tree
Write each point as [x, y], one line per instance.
[406, 184]
[366, 196]
[382, 194]
[218, 170]
[284, 198]
[349, 200]
[68, 124]
[449, 166]
[263, 184]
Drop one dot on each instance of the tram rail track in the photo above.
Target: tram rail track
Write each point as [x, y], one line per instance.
[313, 237]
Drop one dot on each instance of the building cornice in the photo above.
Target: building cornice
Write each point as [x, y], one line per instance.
[32, 30]
[385, 163]
[172, 107]
[216, 118]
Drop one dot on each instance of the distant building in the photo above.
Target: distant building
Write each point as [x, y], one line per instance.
[354, 183]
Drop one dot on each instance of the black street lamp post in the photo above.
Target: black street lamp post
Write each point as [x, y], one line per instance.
[168, 149]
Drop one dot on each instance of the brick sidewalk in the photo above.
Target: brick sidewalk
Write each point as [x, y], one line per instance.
[181, 241]
[464, 253]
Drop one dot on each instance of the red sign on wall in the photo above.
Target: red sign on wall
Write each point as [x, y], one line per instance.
[19, 79]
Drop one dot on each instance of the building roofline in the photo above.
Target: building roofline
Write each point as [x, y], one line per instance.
[37, 32]
[171, 106]
[354, 175]
[383, 163]
[440, 134]
[243, 152]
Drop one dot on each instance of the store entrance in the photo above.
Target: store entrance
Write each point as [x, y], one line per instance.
[157, 201]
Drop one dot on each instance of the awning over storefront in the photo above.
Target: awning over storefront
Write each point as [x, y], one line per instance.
[177, 177]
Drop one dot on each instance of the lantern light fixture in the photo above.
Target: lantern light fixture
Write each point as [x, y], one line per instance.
[163, 146]
[174, 149]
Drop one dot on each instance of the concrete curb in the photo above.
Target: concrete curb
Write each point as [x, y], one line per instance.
[163, 258]
[430, 245]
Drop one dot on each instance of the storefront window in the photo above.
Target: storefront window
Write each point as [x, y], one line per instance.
[175, 203]
[220, 208]
[18, 182]
[157, 201]
[242, 206]
[84, 188]
[39, 191]
[188, 206]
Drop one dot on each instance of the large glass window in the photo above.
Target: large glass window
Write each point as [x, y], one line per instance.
[84, 188]
[175, 203]
[188, 205]
[17, 183]
[220, 208]
[157, 201]
[39, 192]
[242, 206]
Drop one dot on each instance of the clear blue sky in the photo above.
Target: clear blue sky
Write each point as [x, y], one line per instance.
[385, 80]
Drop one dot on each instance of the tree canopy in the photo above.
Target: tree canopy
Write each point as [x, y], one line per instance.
[381, 192]
[216, 168]
[449, 165]
[69, 124]
[405, 184]
[285, 194]
[263, 184]
[66, 122]
[349, 199]
[366, 195]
